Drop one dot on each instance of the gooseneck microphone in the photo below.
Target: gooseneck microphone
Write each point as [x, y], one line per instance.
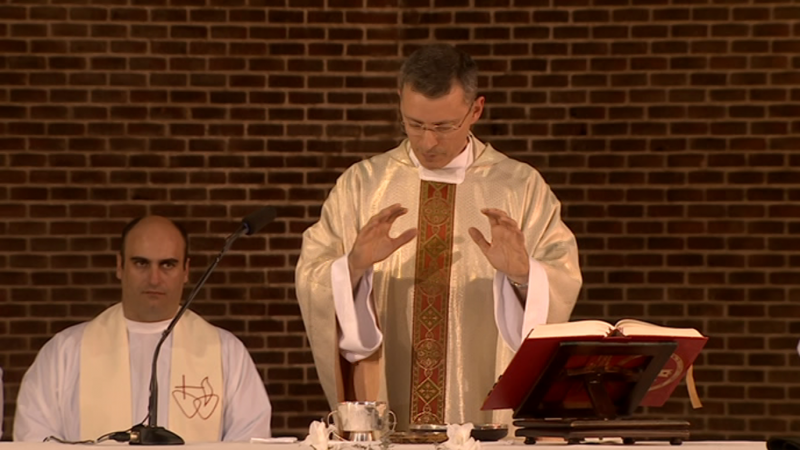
[152, 434]
[254, 222]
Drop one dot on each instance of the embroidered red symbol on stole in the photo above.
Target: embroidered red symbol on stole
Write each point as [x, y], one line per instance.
[196, 400]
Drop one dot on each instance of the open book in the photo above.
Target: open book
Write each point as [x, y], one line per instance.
[610, 350]
[625, 327]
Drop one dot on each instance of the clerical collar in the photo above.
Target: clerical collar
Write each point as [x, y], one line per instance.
[454, 172]
[146, 327]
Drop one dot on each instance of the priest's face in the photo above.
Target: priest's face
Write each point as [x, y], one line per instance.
[153, 270]
[437, 128]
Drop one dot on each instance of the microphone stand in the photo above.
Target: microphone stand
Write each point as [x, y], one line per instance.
[152, 434]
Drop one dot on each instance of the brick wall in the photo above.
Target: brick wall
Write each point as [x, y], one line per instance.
[668, 128]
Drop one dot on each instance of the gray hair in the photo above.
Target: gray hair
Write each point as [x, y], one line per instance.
[433, 69]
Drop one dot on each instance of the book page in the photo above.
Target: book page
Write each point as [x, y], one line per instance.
[633, 327]
[577, 328]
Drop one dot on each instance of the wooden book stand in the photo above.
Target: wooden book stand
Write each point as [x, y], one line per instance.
[589, 388]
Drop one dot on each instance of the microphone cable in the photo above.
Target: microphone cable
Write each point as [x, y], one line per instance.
[119, 436]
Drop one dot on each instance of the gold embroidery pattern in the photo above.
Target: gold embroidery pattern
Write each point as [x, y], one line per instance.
[431, 300]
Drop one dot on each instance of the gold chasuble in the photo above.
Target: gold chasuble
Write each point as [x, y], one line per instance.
[433, 299]
[196, 380]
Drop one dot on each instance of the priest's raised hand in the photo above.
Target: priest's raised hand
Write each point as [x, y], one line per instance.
[506, 253]
[373, 243]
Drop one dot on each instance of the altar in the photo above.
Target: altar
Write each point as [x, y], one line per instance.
[508, 445]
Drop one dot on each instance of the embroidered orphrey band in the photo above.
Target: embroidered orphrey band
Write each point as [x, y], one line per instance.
[431, 299]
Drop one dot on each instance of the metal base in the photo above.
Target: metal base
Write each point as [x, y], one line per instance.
[146, 435]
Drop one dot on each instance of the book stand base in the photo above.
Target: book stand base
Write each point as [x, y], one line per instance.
[609, 389]
[574, 431]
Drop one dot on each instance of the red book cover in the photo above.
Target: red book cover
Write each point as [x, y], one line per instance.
[532, 358]
[674, 370]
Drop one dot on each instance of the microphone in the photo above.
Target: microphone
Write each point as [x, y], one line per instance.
[258, 219]
[152, 434]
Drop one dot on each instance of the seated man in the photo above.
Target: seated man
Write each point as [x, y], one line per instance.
[93, 378]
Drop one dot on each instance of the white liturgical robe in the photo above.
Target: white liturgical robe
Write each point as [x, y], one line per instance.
[49, 397]
[485, 322]
[359, 335]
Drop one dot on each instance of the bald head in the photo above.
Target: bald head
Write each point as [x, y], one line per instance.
[153, 267]
[150, 221]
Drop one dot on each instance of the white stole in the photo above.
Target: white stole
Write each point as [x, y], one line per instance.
[196, 381]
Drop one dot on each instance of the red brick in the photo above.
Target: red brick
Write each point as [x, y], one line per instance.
[754, 13]
[149, 31]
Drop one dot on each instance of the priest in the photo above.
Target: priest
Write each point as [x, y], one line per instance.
[432, 261]
[93, 378]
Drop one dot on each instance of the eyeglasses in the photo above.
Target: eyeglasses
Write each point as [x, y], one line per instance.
[418, 129]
